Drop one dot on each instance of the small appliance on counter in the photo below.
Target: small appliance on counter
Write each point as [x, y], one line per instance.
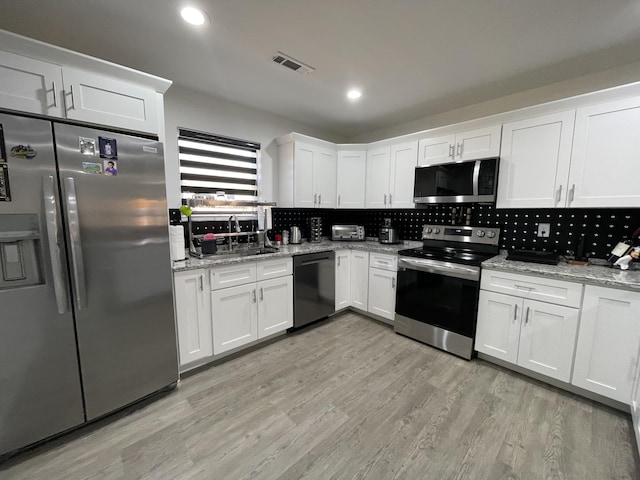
[315, 229]
[296, 237]
[347, 232]
[388, 234]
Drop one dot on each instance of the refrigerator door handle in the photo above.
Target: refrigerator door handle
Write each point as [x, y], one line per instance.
[77, 260]
[53, 232]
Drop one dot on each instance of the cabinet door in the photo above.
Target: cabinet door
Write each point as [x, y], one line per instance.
[343, 279]
[547, 339]
[635, 403]
[193, 315]
[377, 184]
[303, 186]
[534, 161]
[382, 293]
[498, 330]
[235, 317]
[404, 159]
[608, 342]
[432, 151]
[359, 279]
[606, 148]
[30, 85]
[351, 172]
[481, 143]
[275, 305]
[105, 101]
[324, 177]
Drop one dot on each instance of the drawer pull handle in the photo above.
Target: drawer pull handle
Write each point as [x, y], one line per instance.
[525, 287]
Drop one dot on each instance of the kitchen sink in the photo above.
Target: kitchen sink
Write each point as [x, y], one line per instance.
[242, 253]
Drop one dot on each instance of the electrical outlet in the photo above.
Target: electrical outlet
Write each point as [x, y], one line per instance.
[544, 229]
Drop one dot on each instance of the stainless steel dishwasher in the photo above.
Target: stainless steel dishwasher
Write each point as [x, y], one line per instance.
[314, 287]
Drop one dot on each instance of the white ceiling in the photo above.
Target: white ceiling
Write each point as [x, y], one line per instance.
[412, 58]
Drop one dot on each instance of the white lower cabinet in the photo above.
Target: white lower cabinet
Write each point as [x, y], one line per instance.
[608, 342]
[343, 279]
[254, 309]
[275, 305]
[535, 335]
[235, 317]
[359, 279]
[382, 285]
[193, 315]
[529, 321]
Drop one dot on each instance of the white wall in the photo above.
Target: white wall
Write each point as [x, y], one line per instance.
[194, 110]
[577, 86]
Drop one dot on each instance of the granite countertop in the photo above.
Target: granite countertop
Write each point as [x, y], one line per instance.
[602, 275]
[192, 263]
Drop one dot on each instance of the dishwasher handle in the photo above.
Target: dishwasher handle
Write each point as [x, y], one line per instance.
[313, 258]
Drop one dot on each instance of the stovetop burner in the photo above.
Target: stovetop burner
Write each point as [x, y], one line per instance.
[456, 244]
[462, 256]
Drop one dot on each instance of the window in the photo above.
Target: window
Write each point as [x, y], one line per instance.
[210, 164]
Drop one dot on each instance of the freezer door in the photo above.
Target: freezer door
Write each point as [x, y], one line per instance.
[117, 228]
[39, 376]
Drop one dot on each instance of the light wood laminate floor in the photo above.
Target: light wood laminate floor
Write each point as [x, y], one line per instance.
[348, 399]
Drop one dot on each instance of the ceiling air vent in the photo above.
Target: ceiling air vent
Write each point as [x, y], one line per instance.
[291, 63]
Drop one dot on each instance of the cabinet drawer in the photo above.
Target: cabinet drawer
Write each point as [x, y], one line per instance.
[233, 275]
[548, 290]
[274, 268]
[383, 261]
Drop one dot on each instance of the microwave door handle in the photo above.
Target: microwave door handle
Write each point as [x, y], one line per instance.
[476, 177]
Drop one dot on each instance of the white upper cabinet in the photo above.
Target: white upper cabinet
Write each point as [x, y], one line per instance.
[377, 184]
[30, 85]
[351, 173]
[469, 145]
[47, 80]
[435, 150]
[324, 176]
[390, 176]
[307, 174]
[303, 185]
[534, 161]
[107, 101]
[606, 152]
[404, 159]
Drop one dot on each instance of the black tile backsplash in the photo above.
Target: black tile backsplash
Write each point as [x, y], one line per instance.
[602, 228]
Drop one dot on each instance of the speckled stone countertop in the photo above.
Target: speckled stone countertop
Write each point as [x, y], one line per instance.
[604, 276]
[192, 263]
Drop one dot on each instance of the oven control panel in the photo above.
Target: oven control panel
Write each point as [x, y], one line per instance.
[462, 233]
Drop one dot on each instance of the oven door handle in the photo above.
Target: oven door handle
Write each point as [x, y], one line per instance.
[448, 269]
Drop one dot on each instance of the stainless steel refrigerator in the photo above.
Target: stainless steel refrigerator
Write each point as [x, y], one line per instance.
[86, 307]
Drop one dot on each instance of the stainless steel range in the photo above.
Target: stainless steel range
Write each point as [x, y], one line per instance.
[439, 285]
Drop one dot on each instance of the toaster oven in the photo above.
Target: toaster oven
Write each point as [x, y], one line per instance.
[347, 232]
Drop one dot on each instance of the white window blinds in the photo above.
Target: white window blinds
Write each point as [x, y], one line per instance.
[210, 164]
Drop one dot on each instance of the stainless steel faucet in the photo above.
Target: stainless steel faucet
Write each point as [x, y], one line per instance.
[233, 217]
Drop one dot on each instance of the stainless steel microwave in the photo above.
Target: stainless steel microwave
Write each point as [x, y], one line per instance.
[457, 182]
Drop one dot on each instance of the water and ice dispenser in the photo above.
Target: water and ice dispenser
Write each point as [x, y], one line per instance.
[20, 259]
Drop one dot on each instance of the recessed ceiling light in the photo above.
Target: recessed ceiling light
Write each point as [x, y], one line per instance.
[354, 94]
[193, 15]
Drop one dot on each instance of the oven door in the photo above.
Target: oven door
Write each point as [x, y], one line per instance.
[430, 296]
